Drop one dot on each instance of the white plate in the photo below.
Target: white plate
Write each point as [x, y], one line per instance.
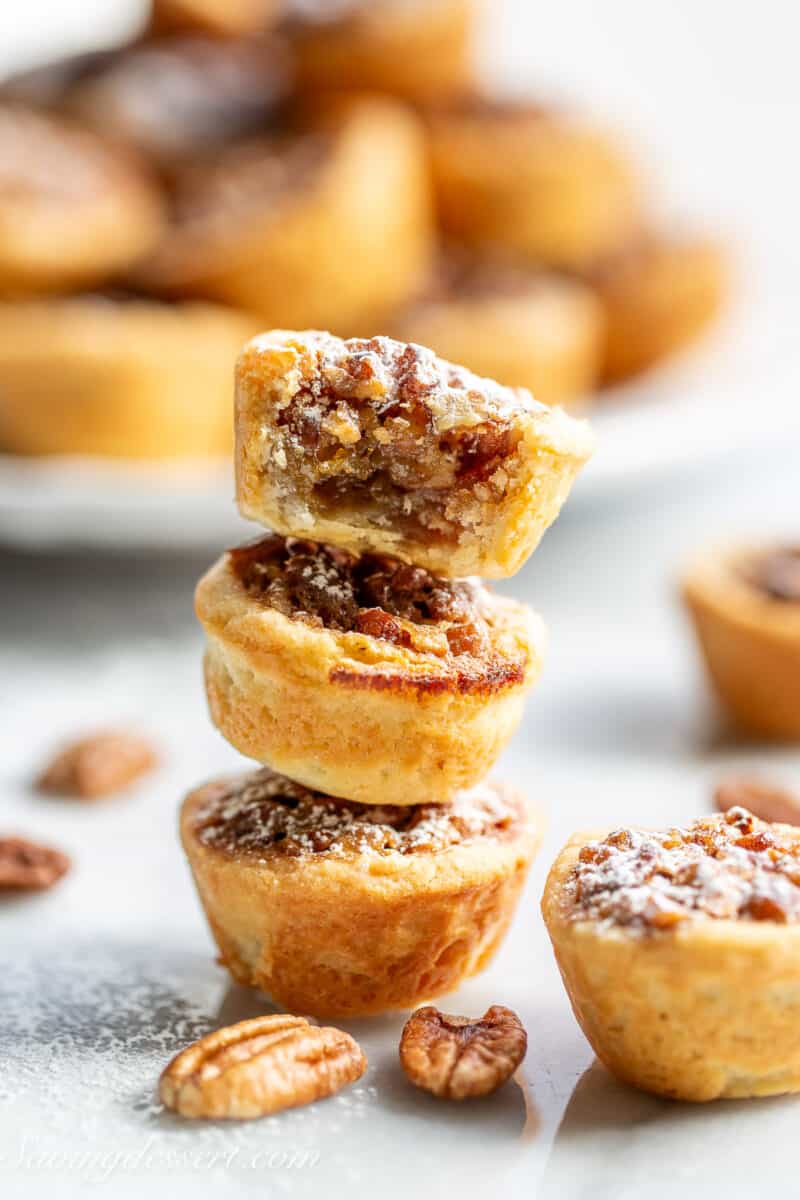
[737, 393]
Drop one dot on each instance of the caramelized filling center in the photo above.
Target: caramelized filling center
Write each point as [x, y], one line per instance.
[369, 593]
[777, 575]
[723, 867]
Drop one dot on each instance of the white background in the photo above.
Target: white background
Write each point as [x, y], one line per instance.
[105, 977]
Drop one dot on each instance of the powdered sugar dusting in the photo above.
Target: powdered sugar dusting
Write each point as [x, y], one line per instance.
[731, 866]
[267, 813]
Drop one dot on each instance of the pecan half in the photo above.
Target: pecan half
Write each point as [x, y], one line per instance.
[457, 1058]
[259, 1067]
[98, 765]
[767, 801]
[28, 867]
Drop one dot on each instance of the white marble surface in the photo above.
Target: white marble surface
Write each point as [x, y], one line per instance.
[103, 978]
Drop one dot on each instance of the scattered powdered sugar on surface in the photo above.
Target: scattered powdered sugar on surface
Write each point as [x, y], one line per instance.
[729, 866]
[268, 812]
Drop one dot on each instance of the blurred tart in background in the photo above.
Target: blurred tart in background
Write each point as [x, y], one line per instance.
[745, 605]
[420, 50]
[520, 326]
[328, 224]
[174, 100]
[547, 187]
[120, 377]
[659, 296]
[73, 209]
[222, 18]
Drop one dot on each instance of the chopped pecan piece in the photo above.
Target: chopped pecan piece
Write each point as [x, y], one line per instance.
[457, 1058]
[98, 765]
[28, 867]
[259, 1067]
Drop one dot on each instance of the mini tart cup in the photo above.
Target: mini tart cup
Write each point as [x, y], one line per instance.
[419, 51]
[139, 379]
[356, 716]
[548, 189]
[659, 302]
[750, 644]
[363, 933]
[707, 1011]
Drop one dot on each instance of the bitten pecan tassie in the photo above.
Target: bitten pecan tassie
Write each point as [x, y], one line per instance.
[363, 676]
[378, 445]
[342, 909]
[680, 951]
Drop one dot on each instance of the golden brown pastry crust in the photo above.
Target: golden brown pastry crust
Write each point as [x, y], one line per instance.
[658, 298]
[540, 185]
[222, 18]
[296, 228]
[73, 210]
[360, 928]
[524, 329]
[702, 1010]
[750, 641]
[357, 715]
[123, 378]
[379, 445]
[420, 51]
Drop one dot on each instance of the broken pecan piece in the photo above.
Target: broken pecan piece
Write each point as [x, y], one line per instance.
[98, 765]
[767, 801]
[259, 1067]
[457, 1058]
[28, 867]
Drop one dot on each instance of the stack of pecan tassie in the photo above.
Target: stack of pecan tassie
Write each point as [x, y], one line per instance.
[369, 864]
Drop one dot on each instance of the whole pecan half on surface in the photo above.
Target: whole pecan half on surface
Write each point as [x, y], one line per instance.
[457, 1058]
[259, 1067]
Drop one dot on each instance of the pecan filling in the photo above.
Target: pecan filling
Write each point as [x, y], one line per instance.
[777, 575]
[723, 867]
[268, 813]
[369, 594]
[388, 428]
[43, 161]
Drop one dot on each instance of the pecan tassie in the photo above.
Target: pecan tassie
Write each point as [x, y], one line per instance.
[765, 800]
[458, 1058]
[98, 765]
[259, 1067]
[28, 867]
[369, 593]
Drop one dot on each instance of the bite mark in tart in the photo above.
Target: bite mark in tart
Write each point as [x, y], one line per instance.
[73, 210]
[342, 909]
[294, 225]
[377, 445]
[363, 676]
[658, 295]
[745, 605]
[412, 48]
[533, 182]
[523, 327]
[139, 378]
[680, 952]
